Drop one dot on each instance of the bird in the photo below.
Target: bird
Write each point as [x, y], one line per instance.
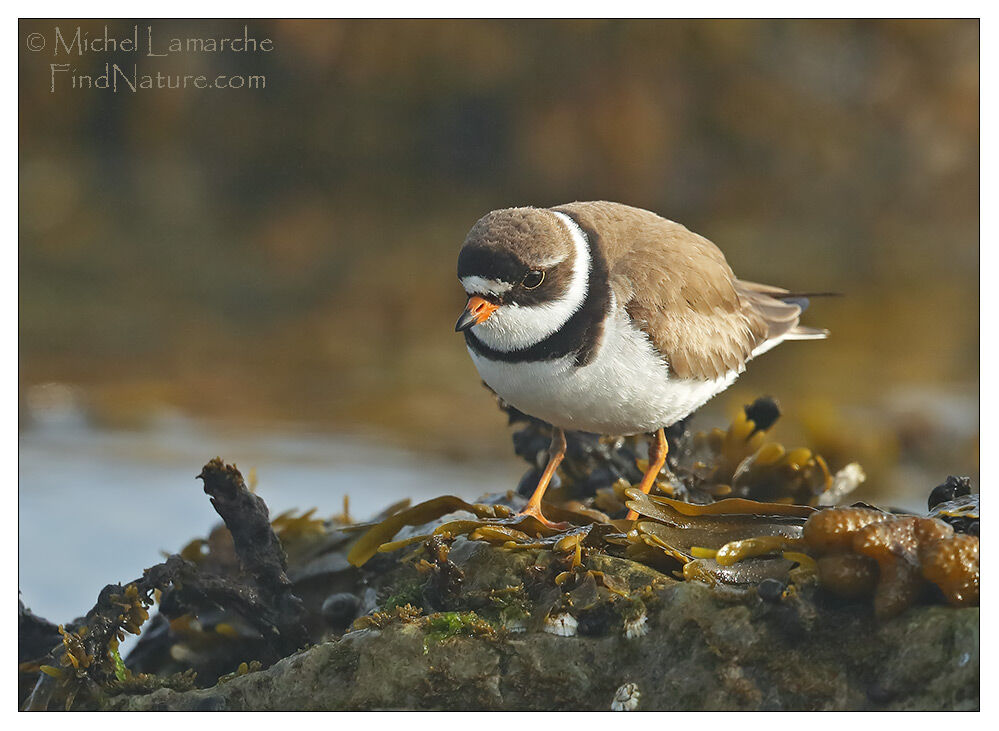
[606, 318]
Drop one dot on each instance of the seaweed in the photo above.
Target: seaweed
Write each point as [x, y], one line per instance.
[86, 658]
[380, 533]
[701, 466]
[443, 626]
[256, 590]
[894, 557]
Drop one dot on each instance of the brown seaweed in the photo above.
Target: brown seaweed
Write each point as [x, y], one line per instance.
[692, 536]
[381, 533]
[863, 551]
[952, 564]
[746, 572]
[739, 462]
[86, 658]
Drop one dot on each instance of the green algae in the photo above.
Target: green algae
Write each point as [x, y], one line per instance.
[407, 592]
[442, 626]
[121, 673]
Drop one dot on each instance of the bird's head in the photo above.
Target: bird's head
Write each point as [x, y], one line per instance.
[525, 271]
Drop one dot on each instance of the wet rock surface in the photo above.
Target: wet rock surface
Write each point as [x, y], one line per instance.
[704, 648]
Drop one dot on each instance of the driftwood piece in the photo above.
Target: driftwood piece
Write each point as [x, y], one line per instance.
[259, 550]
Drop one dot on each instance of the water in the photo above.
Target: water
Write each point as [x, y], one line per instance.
[98, 506]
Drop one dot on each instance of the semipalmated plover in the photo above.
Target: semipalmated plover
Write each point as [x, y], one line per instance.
[605, 318]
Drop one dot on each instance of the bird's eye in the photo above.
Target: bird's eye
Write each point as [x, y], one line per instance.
[533, 279]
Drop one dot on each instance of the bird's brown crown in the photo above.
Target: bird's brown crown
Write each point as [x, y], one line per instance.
[504, 244]
[514, 245]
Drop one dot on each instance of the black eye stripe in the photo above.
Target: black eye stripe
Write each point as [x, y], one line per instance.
[490, 263]
[533, 279]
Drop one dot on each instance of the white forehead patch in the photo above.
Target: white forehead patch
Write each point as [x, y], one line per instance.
[512, 326]
[480, 285]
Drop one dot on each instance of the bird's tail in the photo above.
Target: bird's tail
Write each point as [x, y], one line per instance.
[800, 332]
[802, 299]
[781, 309]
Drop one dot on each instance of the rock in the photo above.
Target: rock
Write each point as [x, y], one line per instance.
[339, 610]
[484, 610]
[703, 648]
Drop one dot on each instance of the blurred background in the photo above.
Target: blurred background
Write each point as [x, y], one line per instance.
[268, 274]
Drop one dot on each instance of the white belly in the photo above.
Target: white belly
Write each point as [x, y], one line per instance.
[625, 389]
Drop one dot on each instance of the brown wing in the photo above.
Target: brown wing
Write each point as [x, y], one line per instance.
[678, 288]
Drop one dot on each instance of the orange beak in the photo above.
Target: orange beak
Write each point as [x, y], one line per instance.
[477, 311]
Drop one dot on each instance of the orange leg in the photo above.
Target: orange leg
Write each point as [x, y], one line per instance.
[657, 458]
[556, 452]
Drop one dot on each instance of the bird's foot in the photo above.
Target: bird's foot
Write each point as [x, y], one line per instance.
[534, 511]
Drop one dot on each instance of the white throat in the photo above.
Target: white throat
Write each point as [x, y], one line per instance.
[514, 327]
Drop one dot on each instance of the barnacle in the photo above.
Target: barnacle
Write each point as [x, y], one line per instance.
[561, 625]
[626, 698]
[636, 626]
